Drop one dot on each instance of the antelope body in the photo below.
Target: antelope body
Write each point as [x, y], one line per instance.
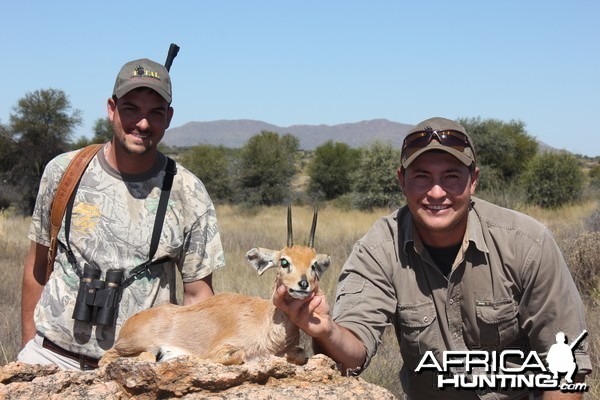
[229, 328]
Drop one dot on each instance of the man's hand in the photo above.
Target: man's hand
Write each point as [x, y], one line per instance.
[312, 314]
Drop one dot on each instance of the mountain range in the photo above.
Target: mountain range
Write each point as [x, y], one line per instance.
[235, 133]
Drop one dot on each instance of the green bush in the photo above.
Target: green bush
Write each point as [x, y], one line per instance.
[552, 180]
[345, 202]
[376, 183]
[594, 178]
[504, 147]
[331, 170]
[211, 165]
[266, 167]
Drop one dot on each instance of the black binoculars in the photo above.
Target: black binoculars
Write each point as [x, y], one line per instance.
[97, 299]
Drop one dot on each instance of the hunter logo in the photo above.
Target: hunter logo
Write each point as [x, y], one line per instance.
[141, 72]
[511, 368]
[560, 357]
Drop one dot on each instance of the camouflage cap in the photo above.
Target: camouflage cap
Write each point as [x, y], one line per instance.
[143, 73]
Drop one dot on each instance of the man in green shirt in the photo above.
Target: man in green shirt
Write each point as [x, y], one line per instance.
[451, 273]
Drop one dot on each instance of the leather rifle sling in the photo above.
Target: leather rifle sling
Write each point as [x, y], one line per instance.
[64, 191]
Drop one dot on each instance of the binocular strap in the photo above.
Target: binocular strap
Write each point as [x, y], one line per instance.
[170, 172]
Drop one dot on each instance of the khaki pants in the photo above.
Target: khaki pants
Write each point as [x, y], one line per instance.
[34, 353]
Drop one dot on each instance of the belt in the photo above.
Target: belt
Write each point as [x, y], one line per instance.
[85, 362]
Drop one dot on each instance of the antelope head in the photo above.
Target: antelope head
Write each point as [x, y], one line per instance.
[299, 268]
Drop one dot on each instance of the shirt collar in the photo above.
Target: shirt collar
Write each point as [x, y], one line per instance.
[475, 229]
[473, 234]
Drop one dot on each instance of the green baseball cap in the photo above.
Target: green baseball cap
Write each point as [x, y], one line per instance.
[437, 134]
[143, 73]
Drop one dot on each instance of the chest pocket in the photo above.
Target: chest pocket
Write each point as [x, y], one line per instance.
[498, 323]
[418, 332]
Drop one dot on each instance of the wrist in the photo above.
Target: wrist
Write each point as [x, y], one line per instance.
[328, 332]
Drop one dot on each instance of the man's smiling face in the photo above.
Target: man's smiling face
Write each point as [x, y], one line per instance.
[438, 189]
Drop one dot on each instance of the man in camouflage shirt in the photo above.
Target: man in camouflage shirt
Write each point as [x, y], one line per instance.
[111, 226]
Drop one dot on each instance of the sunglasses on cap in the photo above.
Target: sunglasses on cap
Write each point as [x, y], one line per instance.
[420, 139]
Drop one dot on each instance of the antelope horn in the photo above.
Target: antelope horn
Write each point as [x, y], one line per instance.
[313, 228]
[290, 241]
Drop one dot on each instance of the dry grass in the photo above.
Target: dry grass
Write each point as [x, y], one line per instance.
[566, 222]
[13, 248]
[337, 231]
[242, 230]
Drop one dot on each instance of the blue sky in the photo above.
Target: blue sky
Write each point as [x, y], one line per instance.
[323, 62]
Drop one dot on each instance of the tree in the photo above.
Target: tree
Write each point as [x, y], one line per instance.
[376, 182]
[553, 179]
[41, 126]
[210, 164]
[267, 164]
[7, 160]
[331, 169]
[103, 131]
[7, 149]
[504, 147]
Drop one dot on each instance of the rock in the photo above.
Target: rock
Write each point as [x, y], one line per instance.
[188, 378]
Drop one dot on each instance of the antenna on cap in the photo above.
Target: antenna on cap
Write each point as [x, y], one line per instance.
[173, 50]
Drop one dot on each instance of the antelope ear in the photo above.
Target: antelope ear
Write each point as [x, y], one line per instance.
[323, 261]
[262, 259]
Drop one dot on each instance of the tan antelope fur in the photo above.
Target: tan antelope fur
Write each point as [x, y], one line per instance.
[229, 328]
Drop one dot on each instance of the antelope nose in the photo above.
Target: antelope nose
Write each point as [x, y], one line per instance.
[303, 284]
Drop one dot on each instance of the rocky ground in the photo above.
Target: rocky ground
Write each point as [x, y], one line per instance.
[188, 378]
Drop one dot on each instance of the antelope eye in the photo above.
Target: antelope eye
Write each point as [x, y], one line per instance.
[284, 263]
[315, 266]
